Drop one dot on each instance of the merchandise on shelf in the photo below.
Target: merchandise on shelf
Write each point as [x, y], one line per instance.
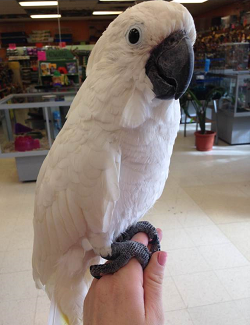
[24, 61]
[227, 45]
[26, 143]
[57, 79]
[11, 52]
[45, 68]
[38, 36]
[32, 51]
[52, 67]
[59, 69]
[71, 67]
[62, 70]
[20, 128]
[5, 77]
[235, 55]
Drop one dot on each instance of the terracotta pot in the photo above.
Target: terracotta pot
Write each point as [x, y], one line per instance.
[204, 142]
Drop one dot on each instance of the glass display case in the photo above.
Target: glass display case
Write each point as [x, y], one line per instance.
[235, 55]
[225, 56]
[234, 107]
[237, 99]
[29, 124]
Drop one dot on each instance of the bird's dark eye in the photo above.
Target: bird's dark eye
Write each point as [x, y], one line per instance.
[134, 35]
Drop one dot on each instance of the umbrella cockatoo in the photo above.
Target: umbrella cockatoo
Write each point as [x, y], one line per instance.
[109, 163]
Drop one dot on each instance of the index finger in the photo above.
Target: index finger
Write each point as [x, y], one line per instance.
[134, 267]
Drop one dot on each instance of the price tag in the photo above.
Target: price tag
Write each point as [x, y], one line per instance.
[41, 55]
[12, 46]
[62, 44]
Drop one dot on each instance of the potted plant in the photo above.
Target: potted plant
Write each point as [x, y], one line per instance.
[204, 139]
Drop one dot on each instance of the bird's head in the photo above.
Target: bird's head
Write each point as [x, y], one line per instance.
[149, 46]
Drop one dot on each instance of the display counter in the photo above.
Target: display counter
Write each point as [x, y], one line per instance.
[234, 107]
[29, 124]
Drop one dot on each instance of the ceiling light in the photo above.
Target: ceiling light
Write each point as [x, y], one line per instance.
[46, 16]
[189, 1]
[38, 3]
[117, 0]
[97, 13]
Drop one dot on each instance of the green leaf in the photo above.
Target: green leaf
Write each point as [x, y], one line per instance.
[201, 107]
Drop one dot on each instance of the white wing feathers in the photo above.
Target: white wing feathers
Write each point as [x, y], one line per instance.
[77, 189]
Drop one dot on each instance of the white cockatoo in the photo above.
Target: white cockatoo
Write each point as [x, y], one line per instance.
[109, 163]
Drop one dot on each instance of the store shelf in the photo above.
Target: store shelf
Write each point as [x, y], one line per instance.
[34, 41]
[19, 58]
[18, 154]
[45, 73]
[67, 74]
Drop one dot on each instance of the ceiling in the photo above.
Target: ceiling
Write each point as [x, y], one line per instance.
[10, 10]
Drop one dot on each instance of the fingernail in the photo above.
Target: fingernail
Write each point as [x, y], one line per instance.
[162, 258]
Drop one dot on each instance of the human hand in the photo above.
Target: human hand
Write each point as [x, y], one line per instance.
[129, 296]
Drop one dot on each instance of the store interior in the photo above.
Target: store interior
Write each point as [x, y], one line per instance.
[204, 210]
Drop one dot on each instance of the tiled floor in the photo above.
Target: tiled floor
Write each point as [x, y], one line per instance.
[205, 216]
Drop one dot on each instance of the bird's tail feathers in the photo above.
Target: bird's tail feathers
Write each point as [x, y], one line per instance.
[72, 282]
[56, 317]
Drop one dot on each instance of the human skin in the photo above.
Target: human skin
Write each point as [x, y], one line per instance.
[129, 296]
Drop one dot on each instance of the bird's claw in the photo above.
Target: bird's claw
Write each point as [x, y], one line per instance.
[123, 249]
[122, 252]
[147, 228]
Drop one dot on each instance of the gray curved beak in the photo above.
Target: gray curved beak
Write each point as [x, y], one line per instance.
[170, 66]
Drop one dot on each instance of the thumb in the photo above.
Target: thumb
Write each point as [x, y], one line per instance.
[153, 280]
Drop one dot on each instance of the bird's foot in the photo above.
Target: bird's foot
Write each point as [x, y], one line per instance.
[123, 249]
[147, 228]
[122, 252]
